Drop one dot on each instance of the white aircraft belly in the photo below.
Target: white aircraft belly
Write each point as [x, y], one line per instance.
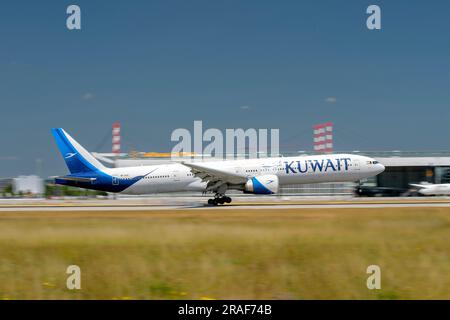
[162, 186]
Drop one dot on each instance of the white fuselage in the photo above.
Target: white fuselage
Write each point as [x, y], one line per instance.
[290, 170]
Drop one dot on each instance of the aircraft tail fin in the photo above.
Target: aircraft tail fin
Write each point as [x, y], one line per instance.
[77, 159]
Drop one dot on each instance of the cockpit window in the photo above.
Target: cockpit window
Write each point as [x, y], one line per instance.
[375, 162]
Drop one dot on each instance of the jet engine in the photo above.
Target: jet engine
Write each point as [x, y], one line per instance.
[265, 184]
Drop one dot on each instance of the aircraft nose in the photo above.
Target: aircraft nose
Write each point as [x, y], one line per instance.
[380, 168]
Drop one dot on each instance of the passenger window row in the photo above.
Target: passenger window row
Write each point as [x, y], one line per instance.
[155, 177]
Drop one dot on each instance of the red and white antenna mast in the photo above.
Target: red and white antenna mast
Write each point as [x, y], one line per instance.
[116, 137]
[323, 137]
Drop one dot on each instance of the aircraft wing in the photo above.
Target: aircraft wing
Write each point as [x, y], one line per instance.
[420, 186]
[213, 176]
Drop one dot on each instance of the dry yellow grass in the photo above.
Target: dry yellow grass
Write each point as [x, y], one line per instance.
[227, 254]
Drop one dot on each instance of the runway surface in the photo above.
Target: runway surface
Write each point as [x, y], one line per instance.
[199, 203]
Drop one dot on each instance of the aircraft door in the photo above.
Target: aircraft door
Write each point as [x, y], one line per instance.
[356, 165]
[176, 176]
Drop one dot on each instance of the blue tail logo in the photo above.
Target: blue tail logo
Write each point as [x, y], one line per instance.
[77, 159]
[69, 155]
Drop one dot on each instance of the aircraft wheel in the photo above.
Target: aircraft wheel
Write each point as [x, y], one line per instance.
[227, 199]
[210, 201]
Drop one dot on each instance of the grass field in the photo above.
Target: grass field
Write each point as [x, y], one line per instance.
[227, 254]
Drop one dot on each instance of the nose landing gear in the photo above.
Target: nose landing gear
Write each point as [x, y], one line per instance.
[219, 199]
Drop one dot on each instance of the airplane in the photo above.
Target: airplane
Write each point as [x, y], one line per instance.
[430, 189]
[253, 176]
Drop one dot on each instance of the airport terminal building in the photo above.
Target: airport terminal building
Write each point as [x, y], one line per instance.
[405, 168]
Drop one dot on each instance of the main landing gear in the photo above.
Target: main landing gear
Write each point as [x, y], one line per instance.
[218, 199]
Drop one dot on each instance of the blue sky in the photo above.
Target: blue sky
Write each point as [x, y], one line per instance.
[159, 65]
